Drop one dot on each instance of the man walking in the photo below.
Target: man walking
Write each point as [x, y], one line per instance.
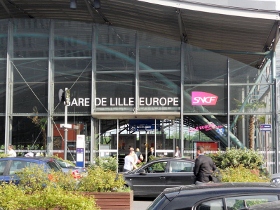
[204, 166]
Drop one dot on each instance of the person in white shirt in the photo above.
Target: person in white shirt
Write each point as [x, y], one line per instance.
[129, 161]
[11, 152]
[177, 152]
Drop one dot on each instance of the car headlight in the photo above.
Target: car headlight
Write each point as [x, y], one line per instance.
[276, 181]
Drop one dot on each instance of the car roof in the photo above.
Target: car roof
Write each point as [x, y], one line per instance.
[33, 159]
[219, 189]
[171, 158]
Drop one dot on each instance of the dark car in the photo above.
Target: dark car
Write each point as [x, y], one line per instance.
[153, 177]
[216, 196]
[11, 165]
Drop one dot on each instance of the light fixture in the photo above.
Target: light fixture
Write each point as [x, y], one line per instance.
[73, 4]
[96, 4]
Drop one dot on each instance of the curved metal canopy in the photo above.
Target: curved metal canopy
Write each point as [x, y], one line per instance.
[242, 34]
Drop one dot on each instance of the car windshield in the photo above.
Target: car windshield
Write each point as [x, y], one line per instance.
[53, 166]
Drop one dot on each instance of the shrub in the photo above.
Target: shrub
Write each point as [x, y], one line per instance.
[106, 163]
[233, 157]
[240, 174]
[100, 180]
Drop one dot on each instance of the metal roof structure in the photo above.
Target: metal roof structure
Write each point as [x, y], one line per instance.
[244, 34]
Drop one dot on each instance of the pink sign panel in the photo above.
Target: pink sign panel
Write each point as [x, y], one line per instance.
[203, 98]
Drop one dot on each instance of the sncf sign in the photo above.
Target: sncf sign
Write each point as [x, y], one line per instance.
[203, 98]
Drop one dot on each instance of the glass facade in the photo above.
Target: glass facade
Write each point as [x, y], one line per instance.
[118, 75]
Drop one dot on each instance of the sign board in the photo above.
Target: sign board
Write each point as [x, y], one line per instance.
[80, 151]
[209, 147]
[265, 127]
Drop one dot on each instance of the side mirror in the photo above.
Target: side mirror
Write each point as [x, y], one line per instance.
[142, 172]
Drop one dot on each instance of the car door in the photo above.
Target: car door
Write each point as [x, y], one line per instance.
[179, 172]
[151, 182]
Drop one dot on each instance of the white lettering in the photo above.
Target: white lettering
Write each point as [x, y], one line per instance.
[87, 101]
[81, 101]
[162, 101]
[131, 101]
[141, 101]
[74, 102]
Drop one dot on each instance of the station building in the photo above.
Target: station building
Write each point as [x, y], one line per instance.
[142, 73]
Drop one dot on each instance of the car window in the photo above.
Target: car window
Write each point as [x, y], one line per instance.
[211, 205]
[54, 166]
[158, 167]
[180, 166]
[235, 203]
[16, 166]
[2, 166]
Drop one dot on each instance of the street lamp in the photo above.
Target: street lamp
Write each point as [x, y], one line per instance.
[64, 96]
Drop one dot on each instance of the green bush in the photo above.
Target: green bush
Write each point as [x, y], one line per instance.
[241, 174]
[100, 180]
[233, 157]
[39, 189]
[106, 163]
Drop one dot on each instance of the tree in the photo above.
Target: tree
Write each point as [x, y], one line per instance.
[41, 123]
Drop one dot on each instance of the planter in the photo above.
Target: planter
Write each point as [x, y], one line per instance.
[112, 200]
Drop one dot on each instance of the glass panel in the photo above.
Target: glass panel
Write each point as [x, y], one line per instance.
[31, 71]
[3, 38]
[159, 167]
[27, 97]
[26, 133]
[2, 98]
[158, 53]
[116, 49]
[30, 86]
[74, 70]
[180, 166]
[80, 101]
[76, 76]
[246, 201]
[241, 73]
[250, 98]
[2, 131]
[205, 99]
[115, 92]
[207, 128]
[2, 166]
[80, 125]
[256, 136]
[211, 205]
[72, 39]
[213, 69]
[31, 38]
[159, 91]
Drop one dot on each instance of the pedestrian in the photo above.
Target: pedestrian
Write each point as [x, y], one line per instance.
[204, 167]
[11, 152]
[139, 155]
[129, 161]
[177, 152]
[151, 154]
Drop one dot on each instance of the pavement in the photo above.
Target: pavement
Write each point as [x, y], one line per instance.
[140, 205]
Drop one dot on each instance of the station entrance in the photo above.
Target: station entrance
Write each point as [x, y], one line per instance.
[118, 136]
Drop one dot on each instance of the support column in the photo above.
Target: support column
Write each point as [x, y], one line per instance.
[9, 87]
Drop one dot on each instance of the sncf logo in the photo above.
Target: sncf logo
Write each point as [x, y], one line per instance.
[203, 98]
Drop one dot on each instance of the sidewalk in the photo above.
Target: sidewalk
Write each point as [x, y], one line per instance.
[140, 205]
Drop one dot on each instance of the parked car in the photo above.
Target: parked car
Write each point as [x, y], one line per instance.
[218, 196]
[152, 178]
[275, 178]
[11, 165]
[68, 167]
